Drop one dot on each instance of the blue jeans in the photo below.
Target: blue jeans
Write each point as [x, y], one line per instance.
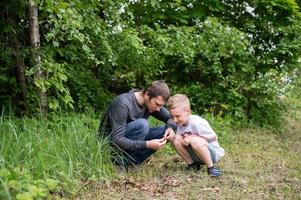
[140, 130]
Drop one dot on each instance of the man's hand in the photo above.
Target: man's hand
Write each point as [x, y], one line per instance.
[156, 144]
[169, 134]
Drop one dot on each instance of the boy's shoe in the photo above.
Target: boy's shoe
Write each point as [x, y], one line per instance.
[214, 172]
[194, 166]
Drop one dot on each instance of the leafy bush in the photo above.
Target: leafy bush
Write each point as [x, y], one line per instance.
[17, 183]
[228, 56]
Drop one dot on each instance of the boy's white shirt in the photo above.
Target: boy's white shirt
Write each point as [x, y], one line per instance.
[198, 126]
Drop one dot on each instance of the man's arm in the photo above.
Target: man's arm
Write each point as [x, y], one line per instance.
[164, 115]
[118, 116]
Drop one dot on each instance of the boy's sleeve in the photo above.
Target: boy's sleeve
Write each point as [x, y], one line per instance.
[204, 129]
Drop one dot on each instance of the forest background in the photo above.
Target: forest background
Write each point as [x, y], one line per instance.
[62, 62]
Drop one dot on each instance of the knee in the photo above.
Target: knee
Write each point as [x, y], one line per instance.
[177, 141]
[196, 143]
[143, 125]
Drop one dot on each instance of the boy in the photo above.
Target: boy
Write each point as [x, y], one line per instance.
[195, 141]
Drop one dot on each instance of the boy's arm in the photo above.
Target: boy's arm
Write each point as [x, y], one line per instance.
[169, 134]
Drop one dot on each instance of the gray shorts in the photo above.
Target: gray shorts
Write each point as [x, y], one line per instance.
[195, 158]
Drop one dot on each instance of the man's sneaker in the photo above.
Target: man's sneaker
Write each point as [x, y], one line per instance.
[193, 166]
[122, 163]
[214, 172]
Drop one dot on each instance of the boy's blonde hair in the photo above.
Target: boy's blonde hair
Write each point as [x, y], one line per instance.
[179, 100]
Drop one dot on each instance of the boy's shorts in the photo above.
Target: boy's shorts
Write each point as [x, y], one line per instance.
[196, 159]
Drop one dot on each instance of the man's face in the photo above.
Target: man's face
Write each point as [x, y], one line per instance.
[154, 104]
[180, 116]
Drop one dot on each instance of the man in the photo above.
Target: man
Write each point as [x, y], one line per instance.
[127, 128]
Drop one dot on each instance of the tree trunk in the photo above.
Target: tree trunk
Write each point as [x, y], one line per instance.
[20, 70]
[35, 43]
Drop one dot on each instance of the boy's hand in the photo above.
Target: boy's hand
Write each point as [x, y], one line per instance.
[169, 134]
[186, 139]
[156, 144]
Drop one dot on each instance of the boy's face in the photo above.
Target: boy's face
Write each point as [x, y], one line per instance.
[180, 115]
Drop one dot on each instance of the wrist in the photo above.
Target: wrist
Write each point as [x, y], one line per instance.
[147, 144]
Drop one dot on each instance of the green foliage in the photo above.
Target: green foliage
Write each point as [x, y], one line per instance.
[293, 95]
[63, 148]
[79, 49]
[205, 67]
[12, 50]
[228, 56]
[135, 64]
[19, 183]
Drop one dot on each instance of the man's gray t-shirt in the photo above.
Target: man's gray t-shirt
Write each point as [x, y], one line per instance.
[123, 110]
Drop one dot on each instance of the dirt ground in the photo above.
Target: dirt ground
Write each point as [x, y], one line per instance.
[258, 165]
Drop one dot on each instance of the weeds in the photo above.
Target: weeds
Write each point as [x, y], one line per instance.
[63, 148]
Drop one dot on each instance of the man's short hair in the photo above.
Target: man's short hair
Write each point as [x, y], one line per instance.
[179, 100]
[158, 88]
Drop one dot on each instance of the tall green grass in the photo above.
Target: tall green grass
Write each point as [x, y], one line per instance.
[62, 147]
